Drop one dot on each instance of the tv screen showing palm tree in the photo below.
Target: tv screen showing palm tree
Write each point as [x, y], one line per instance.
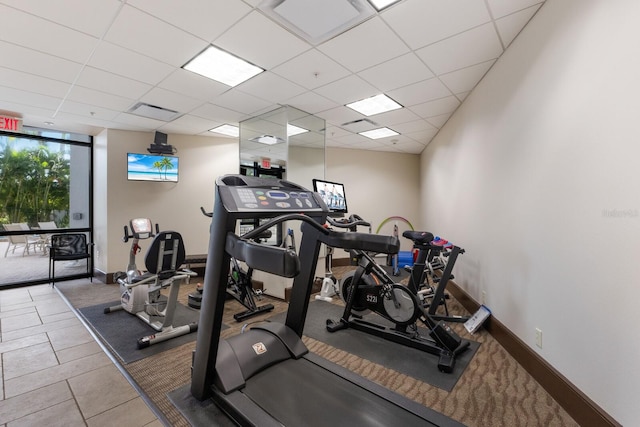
[152, 167]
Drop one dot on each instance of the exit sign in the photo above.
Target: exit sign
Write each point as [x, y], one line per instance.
[266, 163]
[10, 123]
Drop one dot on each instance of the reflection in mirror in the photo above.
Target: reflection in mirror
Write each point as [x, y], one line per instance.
[287, 141]
[284, 143]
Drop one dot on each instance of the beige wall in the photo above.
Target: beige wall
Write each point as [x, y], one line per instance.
[536, 175]
[378, 185]
[173, 206]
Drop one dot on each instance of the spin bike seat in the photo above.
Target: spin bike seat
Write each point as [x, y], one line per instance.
[418, 237]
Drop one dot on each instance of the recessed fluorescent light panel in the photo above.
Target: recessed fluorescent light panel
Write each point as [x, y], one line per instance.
[379, 133]
[375, 105]
[295, 130]
[317, 21]
[222, 67]
[228, 130]
[381, 4]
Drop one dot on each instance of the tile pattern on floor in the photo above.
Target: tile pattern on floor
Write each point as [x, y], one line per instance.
[54, 373]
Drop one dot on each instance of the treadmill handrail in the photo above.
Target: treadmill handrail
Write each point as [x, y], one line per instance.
[270, 259]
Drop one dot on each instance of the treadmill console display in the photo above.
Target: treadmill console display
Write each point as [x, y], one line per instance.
[258, 199]
[260, 195]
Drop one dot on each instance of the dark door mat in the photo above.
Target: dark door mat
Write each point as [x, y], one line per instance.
[121, 330]
[412, 362]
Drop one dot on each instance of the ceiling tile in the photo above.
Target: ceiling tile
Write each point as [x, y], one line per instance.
[414, 126]
[465, 79]
[193, 85]
[130, 64]
[424, 22]
[38, 63]
[215, 112]
[392, 118]
[204, 19]
[339, 115]
[364, 46]
[235, 100]
[511, 25]
[311, 102]
[97, 98]
[471, 47]
[439, 120]
[29, 98]
[346, 90]
[420, 92]
[89, 17]
[104, 81]
[31, 83]
[171, 100]
[311, 69]
[80, 109]
[410, 147]
[397, 72]
[188, 125]
[270, 87]
[500, 8]
[423, 136]
[437, 107]
[261, 41]
[142, 33]
[18, 28]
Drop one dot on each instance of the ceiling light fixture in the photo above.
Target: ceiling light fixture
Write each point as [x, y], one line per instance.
[295, 130]
[381, 4]
[222, 67]
[379, 133]
[317, 21]
[228, 130]
[374, 105]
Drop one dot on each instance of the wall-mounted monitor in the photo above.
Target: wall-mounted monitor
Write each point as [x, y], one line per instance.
[333, 195]
[152, 167]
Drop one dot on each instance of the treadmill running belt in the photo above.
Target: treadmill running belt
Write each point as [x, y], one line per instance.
[303, 394]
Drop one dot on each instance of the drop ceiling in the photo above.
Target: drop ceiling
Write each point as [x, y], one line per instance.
[81, 66]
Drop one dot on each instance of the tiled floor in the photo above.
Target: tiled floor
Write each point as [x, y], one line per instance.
[54, 373]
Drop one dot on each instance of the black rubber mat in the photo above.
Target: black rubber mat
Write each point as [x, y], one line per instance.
[121, 330]
[415, 363]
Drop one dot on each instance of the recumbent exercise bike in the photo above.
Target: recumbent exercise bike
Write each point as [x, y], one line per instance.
[140, 294]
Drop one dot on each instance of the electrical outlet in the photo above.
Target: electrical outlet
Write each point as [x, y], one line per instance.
[483, 298]
[539, 337]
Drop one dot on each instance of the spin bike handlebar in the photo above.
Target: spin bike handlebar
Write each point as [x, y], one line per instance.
[352, 221]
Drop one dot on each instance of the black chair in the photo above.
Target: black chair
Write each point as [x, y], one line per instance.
[67, 247]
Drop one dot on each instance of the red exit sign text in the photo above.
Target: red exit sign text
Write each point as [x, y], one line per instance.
[10, 123]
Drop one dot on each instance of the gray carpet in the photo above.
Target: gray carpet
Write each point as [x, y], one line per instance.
[415, 363]
[121, 330]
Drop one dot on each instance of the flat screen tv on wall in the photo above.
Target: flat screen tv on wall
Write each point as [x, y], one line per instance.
[152, 167]
[333, 195]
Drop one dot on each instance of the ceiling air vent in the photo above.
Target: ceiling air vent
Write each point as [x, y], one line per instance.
[154, 112]
[359, 125]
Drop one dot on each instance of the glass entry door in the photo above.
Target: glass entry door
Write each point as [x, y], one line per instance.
[45, 183]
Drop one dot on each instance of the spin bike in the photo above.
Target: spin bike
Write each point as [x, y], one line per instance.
[430, 286]
[140, 294]
[240, 285]
[369, 288]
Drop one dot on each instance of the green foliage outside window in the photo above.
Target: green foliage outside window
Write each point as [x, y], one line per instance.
[34, 184]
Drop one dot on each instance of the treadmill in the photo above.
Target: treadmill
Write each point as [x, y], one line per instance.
[266, 376]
